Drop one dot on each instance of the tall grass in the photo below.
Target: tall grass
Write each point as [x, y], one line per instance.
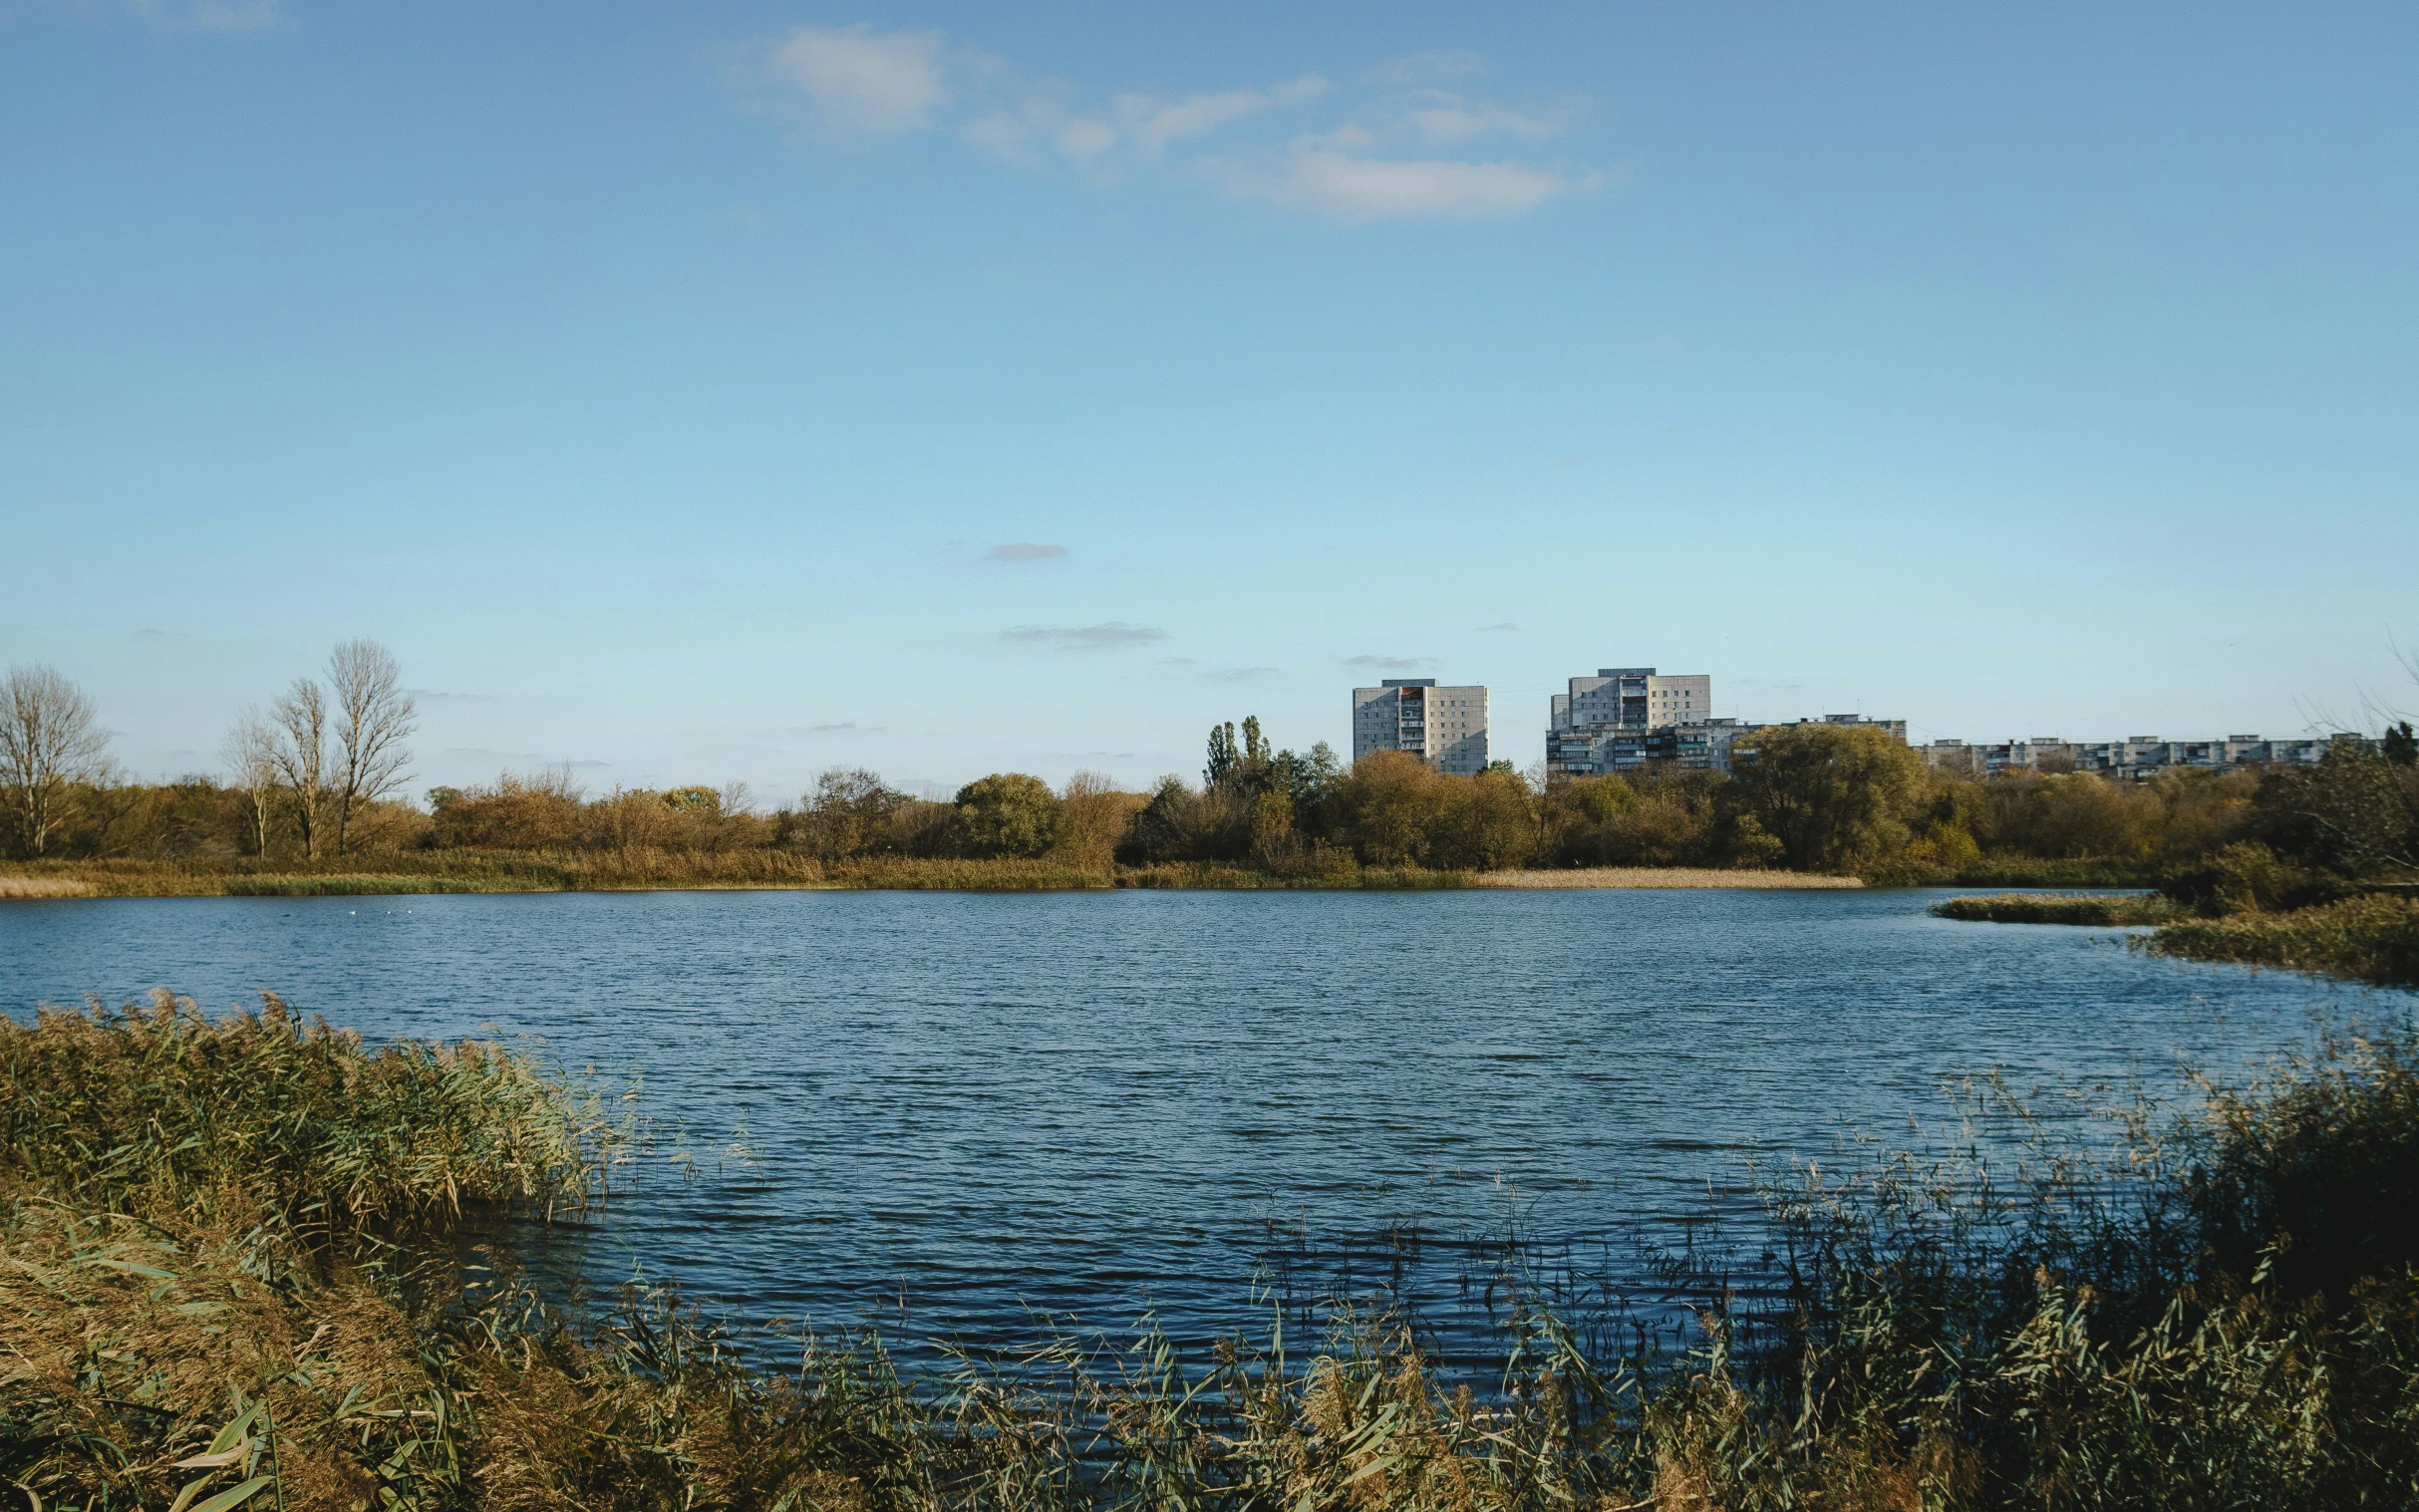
[2370, 939]
[1006, 874]
[225, 1263]
[2059, 908]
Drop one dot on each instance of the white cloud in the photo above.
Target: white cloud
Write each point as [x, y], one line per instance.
[1145, 122]
[1451, 119]
[1356, 188]
[1152, 124]
[1392, 148]
[1085, 140]
[1024, 551]
[862, 82]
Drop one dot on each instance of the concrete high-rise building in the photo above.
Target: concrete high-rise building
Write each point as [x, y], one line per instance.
[1626, 716]
[1444, 727]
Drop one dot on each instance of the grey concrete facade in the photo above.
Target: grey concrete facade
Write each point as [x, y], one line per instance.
[1444, 727]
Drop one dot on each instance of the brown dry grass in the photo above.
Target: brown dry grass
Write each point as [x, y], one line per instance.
[1660, 876]
[43, 887]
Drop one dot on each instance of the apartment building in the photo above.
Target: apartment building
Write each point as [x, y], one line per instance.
[1444, 727]
[1625, 717]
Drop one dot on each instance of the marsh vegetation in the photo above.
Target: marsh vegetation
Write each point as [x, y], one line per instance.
[237, 1261]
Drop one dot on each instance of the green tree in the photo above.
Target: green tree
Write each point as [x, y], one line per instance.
[1007, 814]
[1255, 745]
[1832, 796]
[1222, 753]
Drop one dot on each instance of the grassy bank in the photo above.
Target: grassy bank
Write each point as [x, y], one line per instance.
[2371, 938]
[2059, 908]
[474, 871]
[231, 1270]
[1661, 876]
[2368, 938]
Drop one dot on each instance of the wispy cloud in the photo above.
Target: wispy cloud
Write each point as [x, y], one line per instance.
[1106, 636]
[1387, 663]
[1035, 124]
[506, 757]
[1386, 147]
[438, 695]
[1426, 68]
[1024, 551]
[206, 15]
[1449, 118]
[841, 728]
[1242, 673]
[1501, 625]
[1351, 188]
[859, 82]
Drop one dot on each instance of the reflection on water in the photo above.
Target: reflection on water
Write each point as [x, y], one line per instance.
[941, 1110]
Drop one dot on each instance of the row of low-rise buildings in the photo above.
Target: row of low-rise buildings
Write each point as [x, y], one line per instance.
[2136, 756]
[1624, 718]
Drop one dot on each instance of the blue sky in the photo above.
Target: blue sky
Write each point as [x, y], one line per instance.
[729, 390]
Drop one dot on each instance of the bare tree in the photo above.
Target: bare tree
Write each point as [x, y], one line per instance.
[373, 717]
[300, 754]
[251, 757]
[48, 745]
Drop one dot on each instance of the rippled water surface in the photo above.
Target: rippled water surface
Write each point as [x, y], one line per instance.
[951, 1107]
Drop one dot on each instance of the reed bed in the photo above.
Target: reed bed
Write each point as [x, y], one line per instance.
[2374, 938]
[1005, 874]
[2060, 908]
[1663, 876]
[43, 887]
[230, 1264]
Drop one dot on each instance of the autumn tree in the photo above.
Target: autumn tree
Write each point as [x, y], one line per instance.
[1007, 814]
[300, 756]
[49, 745]
[850, 812]
[251, 757]
[1092, 819]
[373, 717]
[1831, 795]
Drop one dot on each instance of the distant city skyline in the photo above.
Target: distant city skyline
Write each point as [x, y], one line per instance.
[741, 390]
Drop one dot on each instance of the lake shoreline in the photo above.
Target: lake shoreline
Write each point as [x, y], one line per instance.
[49, 888]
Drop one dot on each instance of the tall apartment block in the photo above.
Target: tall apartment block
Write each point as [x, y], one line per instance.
[1444, 727]
[1626, 716]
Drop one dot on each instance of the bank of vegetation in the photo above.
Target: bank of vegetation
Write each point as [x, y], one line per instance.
[2318, 872]
[312, 801]
[233, 1262]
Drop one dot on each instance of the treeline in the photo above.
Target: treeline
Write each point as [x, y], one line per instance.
[318, 772]
[317, 779]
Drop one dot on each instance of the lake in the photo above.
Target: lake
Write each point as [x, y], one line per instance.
[937, 1110]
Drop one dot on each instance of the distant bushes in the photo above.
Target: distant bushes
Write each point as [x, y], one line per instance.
[1812, 797]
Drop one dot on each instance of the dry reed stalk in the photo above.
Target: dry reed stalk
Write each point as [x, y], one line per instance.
[1660, 876]
[43, 887]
